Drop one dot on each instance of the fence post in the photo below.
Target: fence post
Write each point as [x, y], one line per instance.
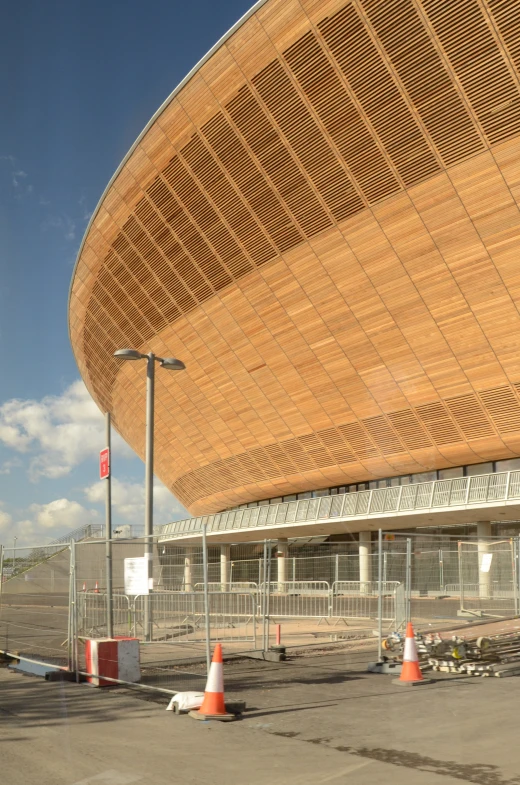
[1, 572]
[206, 596]
[264, 595]
[336, 571]
[380, 595]
[408, 578]
[70, 618]
[461, 579]
[517, 577]
[268, 598]
[74, 608]
[108, 531]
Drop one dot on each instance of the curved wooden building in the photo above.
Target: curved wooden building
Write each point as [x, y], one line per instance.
[323, 223]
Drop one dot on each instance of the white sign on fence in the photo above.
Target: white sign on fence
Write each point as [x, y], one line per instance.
[486, 562]
[136, 576]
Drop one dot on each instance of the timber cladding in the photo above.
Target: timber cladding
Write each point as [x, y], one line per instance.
[323, 224]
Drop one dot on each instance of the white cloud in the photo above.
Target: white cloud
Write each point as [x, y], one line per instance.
[5, 520]
[59, 432]
[44, 523]
[62, 222]
[128, 501]
[61, 514]
[7, 466]
[86, 213]
[18, 178]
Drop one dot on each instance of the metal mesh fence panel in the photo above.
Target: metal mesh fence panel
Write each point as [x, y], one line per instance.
[179, 616]
[489, 581]
[34, 603]
[359, 600]
[430, 579]
[299, 599]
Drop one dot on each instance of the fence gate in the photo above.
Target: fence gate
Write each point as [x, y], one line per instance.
[488, 578]
[35, 601]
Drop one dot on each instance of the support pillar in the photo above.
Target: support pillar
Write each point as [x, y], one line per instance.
[365, 562]
[484, 577]
[282, 552]
[225, 567]
[188, 564]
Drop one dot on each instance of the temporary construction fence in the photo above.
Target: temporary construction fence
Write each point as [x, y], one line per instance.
[54, 597]
[35, 602]
[489, 580]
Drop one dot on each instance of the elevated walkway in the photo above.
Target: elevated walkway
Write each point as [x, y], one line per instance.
[459, 500]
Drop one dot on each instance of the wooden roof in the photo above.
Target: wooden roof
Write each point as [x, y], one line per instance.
[323, 225]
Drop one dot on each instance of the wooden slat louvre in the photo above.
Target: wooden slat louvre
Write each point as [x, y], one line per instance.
[323, 223]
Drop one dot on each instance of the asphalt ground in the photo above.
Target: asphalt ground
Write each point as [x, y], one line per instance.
[309, 721]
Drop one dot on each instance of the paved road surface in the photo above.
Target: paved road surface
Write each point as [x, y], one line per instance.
[311, 721]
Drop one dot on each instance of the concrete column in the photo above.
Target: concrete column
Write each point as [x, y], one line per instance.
[225, 567]
[484, 578]
[282, 552]
[188, 564]
[365, 561]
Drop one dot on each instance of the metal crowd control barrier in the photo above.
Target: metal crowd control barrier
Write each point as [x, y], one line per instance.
[92, 614]
[236, 586]
[307, 588]
[437, 494]
[179, 616]
[344, 600]
[359, 600]
[298, 599]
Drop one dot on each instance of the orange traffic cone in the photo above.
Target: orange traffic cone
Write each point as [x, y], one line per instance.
[96, 588]
[213, 706]
[410, 671]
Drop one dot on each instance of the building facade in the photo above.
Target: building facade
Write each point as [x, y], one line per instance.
[323, 223]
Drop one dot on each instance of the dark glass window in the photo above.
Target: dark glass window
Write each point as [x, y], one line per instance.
[479, 468]
[448, 474]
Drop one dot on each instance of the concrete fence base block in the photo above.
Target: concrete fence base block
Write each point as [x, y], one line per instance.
[412, 683]
[219, 717]
[235, 707]
[388, 668]
[268, 656]
[60, 676]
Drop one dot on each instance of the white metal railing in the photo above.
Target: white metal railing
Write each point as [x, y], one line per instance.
[308, 588]
[438, 494]
[364, 587]
[223, 586]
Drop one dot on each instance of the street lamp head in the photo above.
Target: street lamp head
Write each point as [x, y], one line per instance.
[128, 354]
[171, 364]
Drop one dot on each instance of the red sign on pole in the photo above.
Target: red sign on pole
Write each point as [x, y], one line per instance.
[104, 464]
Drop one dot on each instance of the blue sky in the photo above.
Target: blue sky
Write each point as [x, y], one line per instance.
[78, 82]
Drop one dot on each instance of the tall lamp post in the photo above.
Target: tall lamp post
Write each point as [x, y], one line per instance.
[14, 553]
[170, 364]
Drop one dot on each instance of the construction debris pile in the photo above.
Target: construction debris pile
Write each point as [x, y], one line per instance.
[496, 655]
